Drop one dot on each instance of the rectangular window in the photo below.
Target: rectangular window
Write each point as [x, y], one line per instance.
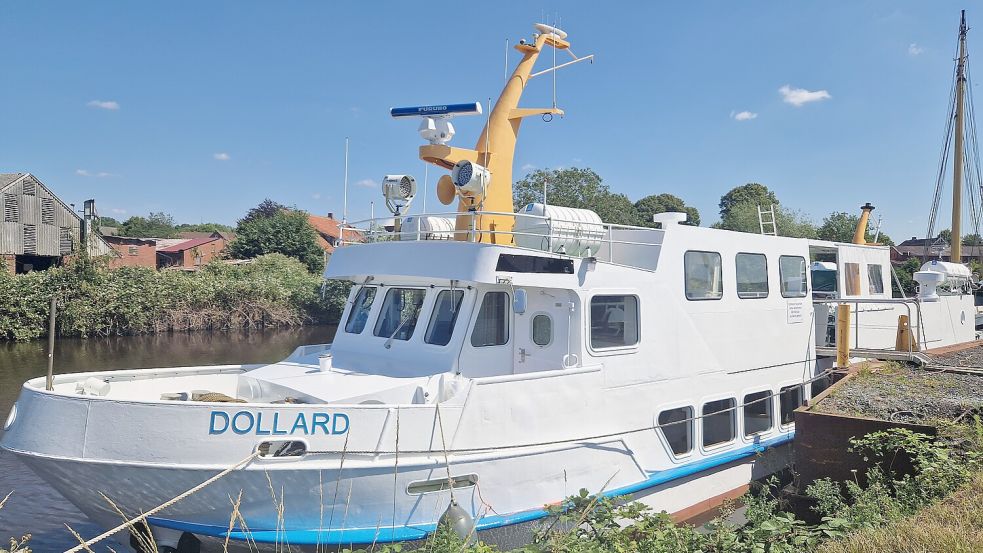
[11, 209]
[491, 328]
[359, 314]
[792, 272]
[851, 272]
[790, 398]
[400, 313]
[703, 276]
[30, 187]
[66, 241]
[757, 413]
[752, 275]
[718, 422]
[133, 250]
[444, 317]
[30, 239]
[676, 426]
[876, 279]
[613, 321]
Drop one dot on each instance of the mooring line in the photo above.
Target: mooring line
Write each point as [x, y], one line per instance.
[129, 523]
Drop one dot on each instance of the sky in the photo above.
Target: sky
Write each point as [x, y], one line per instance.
[203, 109]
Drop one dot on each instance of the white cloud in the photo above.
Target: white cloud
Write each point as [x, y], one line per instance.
[744, 115]
[222, 156]
[366, 183]
[111, 105]
[355, 111]
[118, 211]
[528, 167]
[87, 173]
[800, 96]
[316, 195]
[914, 49]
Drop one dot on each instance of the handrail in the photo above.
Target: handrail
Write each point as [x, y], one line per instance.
[907, 302]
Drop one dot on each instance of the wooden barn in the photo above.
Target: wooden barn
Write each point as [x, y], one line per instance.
[37, 230]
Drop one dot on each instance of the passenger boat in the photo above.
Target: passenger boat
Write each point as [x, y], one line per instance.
[495, 362]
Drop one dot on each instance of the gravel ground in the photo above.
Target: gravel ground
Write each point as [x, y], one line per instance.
[905, 394]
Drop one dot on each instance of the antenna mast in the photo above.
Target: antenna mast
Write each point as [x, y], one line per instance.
[344, 215]
[957, 161]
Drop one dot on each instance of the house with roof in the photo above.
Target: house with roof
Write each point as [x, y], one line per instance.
[191, 253]
[132, 252]
[38, 230]
[329, 232]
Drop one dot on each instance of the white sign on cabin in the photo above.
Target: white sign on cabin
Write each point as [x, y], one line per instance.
[795, 312]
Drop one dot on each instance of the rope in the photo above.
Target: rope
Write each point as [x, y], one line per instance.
[820, 376]
[162, 506]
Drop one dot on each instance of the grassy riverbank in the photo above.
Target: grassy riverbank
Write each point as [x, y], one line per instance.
[93, 300]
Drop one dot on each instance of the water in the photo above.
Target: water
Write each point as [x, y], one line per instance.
[37, 508]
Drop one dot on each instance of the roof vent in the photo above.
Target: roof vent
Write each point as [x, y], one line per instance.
[669, 218]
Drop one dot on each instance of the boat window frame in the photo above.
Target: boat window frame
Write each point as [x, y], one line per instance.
[737, 280]
[690, 427]
[848, 290]
[380, 316]
[802, 401]
[433, 313]
[532, 329]
[590, 324]
[732, 410]
[355, 305]
[805, 277]
[507, 319]
[879, 281]
[768, 401]
[720, 271]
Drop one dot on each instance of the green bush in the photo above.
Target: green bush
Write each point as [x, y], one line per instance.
[274, 290]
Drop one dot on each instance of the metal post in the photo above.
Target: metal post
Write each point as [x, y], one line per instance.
[843, 336]
[50, 381]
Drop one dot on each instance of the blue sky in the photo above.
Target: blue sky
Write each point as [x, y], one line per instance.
[202, 109]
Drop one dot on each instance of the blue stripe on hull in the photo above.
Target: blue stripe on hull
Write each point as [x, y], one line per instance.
[361, 536]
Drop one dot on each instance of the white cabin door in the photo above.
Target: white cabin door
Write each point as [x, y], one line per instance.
[541, 333]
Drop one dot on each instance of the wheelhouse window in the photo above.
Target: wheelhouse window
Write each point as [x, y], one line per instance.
[718, 422]
[757, 413]
[613, 321]
[491, 328]
[789, 399]
[542, 330]
[704, 275]
[752, 275]
[676, 426]
[792, 272]
[445, 311]
[875, 278]
[359, 315]
[400, 313]
[851, 272]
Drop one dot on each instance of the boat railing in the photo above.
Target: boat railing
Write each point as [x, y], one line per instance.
[874, 342]
[619, 244]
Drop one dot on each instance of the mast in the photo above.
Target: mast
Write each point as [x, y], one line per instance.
[957, 161]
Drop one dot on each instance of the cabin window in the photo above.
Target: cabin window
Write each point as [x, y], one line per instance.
[790, 398]
[876, 279]
[851, 272]
[542, 330]
[399, 313]
[718, 422]
[676, 426]
[491, 328]
[792, 271]
[752, 275]
[444, 316]
[703, 276]
[757, 413]
[613, 321]
[359, 314]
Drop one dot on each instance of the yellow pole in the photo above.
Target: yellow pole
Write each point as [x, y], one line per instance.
[860, 235]
[843, 336]
[957, 159]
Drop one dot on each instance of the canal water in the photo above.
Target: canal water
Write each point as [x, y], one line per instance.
[34, 507]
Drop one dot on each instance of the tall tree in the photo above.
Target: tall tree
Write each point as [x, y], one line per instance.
[156, 225]
[743, 217]
[286, 232]
[579, 188]
[840, 226]
[750, 193]
[972, 240]
[266, 208]
[661, 203]
[108, 222]
[203, 227]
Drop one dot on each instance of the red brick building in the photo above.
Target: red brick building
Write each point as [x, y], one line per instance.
[132, 252]
[192, 253]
